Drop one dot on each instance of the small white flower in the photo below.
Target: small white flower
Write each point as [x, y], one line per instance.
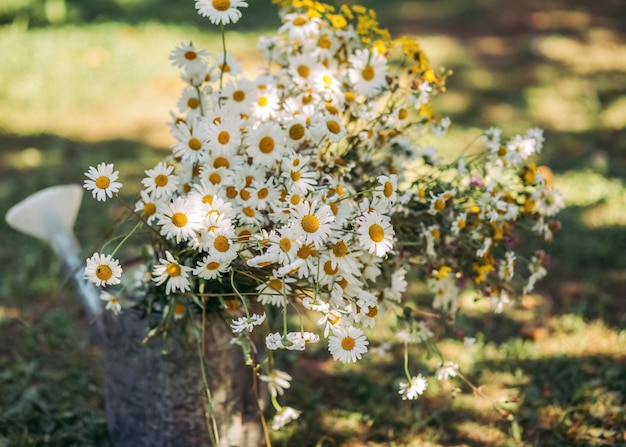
[446, 370]
[375, 233]
[170, 271]
[277, 381]
[284, 416]
[221, 11]
[247, 323]
[101, 181]
[347, 345]
[414, 388]
[161, 180]
[112, 303]
[103, 270]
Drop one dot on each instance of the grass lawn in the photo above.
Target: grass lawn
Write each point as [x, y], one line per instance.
[85, 82]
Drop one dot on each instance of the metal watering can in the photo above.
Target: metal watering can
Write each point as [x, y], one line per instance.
[154, 394]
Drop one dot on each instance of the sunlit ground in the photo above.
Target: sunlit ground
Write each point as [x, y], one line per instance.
[74, 95]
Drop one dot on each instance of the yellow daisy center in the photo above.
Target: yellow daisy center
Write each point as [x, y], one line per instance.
[104, 272]
[328, 268]
[310, 223]
[295, 175]
[304, 71]
[275, 284]
[304, 252]
[221, 244]
[195, 144]
[173, 269]
[376, 232]
[215, 178]
[160, 180]
[372, 312]
[212, 265]
[333, 126]
[223, 137]
[221, 5]
[295, 199]
[348, 343]
[296, 131]
[262, 101]
[285, 244]
[244, 194]
[403, 113]
[262, 193]
[368, 73]
[193, 103]
[340, 249]
[149, 208]
[266, 145]
[388, 189]
[439, 205]
[208, 199]
[248, 211]
[231, 192]
[299, 21]
[221, 162]
[179, 219]
[239, 95]
[103, 182]
[190, 55]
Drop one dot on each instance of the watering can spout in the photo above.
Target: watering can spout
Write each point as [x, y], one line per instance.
[49, 215]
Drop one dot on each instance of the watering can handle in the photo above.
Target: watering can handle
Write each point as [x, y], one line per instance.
[49, 215]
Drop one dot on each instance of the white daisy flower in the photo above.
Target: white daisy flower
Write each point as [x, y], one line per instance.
[446, 370]
[221, 12]
[180, 220]
[368, 72]
[239, 95]
[300, 27]
[147, 206]
[277, 381]
[414, 388]
[101, 181]
[312, 223]
[274, 290]
[161, 180]
[192, 143]
[103, 270]
[347, 345]
[225, 136]
[186, 55]
[247, 323]
[112, 303]
[171, 272]
[387, 188]
[284, 416]
[220, 244]
[329, 126]
[375, 233]
[209, 268]
[266, 143]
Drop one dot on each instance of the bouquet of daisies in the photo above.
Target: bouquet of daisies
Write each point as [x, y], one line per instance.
[316, 187]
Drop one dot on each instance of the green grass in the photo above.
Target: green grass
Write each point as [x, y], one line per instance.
[96, 85]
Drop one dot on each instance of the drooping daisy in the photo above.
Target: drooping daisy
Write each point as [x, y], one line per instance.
[414, 388]
[312, 222]
[347, 345]
[221, 12]
[284, 416]
[247, 323]
[274, 290]
[171, 272]
[161, 180]
[112, 303]
[375, 233]
[180, 219]
[103, 270]
[447, 370]
[101, 181]
[277, 381]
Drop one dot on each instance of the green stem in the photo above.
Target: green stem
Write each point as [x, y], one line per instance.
[137, 225]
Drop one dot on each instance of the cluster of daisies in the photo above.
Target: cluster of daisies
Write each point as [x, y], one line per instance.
[315, 186]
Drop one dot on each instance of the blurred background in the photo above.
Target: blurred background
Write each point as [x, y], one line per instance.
[84, 82]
